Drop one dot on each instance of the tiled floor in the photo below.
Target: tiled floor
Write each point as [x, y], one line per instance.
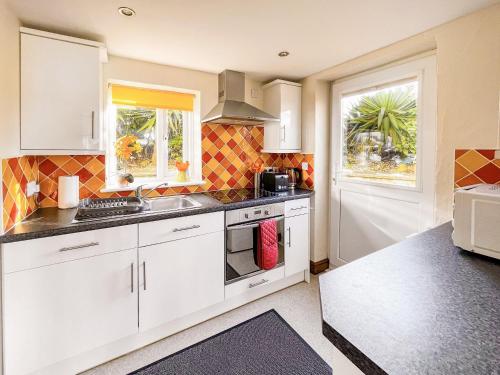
[299, 305]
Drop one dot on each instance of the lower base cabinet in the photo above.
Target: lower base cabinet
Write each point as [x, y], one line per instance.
[296, 244]
[180, 277]
[62, 310]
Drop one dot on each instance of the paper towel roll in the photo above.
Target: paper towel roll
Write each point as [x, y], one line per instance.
[68, 192]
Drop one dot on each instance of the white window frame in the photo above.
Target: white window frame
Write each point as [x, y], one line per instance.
[191, 142]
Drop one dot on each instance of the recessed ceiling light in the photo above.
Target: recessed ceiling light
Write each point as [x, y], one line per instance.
[126, 11]
[283, 54]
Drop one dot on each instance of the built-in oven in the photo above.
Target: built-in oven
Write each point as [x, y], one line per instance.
[242, 228]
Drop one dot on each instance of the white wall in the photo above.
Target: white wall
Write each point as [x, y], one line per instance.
[9, 82]
[468, 58]
[144, 72]
[9, 89]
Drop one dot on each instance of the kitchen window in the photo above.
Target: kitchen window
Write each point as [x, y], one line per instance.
[151, 129]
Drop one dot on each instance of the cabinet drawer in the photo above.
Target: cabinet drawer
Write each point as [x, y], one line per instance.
[181, 227]
[297, 207]
[51, 250]
[254, 282]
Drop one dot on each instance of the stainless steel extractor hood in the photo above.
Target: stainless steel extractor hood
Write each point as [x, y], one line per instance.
[232, 109]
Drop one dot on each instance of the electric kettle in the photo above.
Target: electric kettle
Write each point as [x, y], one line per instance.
[294, 177]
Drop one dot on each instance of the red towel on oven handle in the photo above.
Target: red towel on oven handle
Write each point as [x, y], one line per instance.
[267, 247]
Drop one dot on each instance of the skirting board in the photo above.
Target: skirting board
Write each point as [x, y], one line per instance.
[128, 344]
[319, 266]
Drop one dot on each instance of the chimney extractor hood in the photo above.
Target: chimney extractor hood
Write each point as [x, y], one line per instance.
[232, 109]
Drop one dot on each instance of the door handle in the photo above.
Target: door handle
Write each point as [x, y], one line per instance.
[92, 125]
[144, 273]
[186, 228]
[90, 244]
[289, 236]
[132, 277]
[253, 285]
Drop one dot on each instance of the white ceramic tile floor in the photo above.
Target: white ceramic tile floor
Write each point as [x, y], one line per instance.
[299, 305]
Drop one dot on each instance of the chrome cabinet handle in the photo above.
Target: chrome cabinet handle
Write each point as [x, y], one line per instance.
[253, 285]
[289, 236]
[186, 228]
[255, 225]
[90, 244]
[132, 277]
[297, 208]
[144, 273]
[92, 124]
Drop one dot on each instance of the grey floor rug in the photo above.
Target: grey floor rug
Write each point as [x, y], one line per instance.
[264, 345]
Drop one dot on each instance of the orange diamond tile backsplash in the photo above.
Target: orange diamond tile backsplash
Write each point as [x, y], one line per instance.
[228, 153]
[16, 173]
[476, 167]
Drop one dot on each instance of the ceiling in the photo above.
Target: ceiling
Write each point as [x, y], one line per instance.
[212, 35]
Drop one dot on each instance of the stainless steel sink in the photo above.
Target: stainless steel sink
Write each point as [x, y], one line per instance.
[174, 203]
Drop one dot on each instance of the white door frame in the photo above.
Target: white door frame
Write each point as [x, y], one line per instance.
[424, 68]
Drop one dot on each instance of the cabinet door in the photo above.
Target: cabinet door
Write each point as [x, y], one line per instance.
[180, 277]
[60, 85]
[296, 244]
[291, 117]
[55, 312]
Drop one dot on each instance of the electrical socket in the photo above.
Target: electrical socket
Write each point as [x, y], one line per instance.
[32, 188]
[305, 166]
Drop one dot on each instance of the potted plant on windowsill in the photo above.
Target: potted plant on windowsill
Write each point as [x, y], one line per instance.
[182, 167]
[126, 148]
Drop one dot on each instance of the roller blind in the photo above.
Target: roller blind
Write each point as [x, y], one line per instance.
[148, 98]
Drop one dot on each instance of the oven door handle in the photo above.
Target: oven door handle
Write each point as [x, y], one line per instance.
[253, 225]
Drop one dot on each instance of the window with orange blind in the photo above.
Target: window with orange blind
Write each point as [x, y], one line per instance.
[150, 130]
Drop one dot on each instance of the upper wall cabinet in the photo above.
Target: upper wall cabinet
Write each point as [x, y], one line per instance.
[283, 99]
[60, 93]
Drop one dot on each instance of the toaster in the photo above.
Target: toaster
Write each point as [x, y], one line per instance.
[274, 181]
[476, 219]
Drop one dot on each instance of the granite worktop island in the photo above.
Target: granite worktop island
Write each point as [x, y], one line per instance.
[421, 306]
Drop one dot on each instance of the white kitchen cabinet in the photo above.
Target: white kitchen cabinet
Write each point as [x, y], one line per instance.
[60, 93]
[54, 312]
[283, 99]
[296, 236]
[180, 277]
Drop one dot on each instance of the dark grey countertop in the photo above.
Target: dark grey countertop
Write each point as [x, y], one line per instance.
[421, 306]
[47, 222]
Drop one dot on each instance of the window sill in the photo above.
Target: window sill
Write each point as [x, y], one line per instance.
[151, 185]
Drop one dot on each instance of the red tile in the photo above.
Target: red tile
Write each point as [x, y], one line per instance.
[13, 162]
[83, 159]
[212, 177]
[231, 143]
[468, 180]
[47, 167]
[206, 157]
[101, 158]
[219, 156]
[84, 175]
[212, 136]
[231, 169]
[13, 214]
[490, 173]
[488, 154]
[459, 153]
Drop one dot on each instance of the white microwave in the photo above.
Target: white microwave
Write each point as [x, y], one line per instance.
[476, 219]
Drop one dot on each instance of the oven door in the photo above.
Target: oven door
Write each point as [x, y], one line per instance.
[241, 249]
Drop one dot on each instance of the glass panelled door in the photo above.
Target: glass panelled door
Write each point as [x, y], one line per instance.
[382, 157]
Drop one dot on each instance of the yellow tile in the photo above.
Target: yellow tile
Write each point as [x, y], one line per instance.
[472, 160]
[94, 166]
